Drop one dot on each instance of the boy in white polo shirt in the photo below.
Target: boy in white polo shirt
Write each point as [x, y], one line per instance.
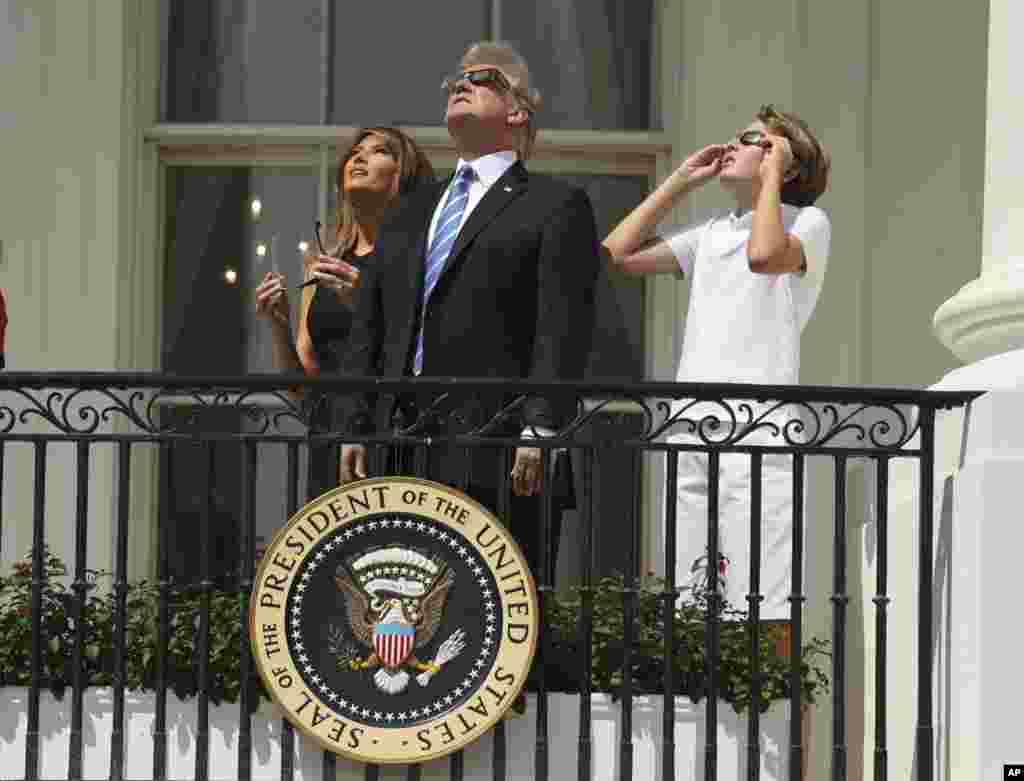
[755, 277]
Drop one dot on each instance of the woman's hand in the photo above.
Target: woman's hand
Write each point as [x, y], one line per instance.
[335, 275]
[272, 299]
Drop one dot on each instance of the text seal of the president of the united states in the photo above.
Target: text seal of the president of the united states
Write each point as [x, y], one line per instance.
[393, 620]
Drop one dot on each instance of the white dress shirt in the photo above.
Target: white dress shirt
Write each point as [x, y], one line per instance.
[487, 170]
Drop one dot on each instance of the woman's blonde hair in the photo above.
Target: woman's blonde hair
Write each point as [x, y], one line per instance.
[414, 169]
[813, 162]
[507, 58]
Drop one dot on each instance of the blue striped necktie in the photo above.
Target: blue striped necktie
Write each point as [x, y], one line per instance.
[444, 239]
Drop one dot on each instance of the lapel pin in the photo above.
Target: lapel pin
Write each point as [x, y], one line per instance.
[508, 189]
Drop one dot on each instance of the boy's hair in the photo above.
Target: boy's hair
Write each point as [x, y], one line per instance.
[812, 160]
[506, 57]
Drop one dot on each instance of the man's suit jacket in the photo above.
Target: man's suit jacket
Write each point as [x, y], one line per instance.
[515, 298]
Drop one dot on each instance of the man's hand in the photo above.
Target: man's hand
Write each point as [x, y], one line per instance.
[777, 161]
[703, 165]
[528, 471]
[353, 464]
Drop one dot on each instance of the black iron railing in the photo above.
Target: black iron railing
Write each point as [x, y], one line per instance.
[170, 417]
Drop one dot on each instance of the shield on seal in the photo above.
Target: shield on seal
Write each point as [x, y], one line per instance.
[393, 642]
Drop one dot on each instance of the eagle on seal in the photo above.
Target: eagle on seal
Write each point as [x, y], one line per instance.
[394, 604]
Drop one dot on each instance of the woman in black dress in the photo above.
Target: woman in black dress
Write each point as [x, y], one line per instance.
[380, 166]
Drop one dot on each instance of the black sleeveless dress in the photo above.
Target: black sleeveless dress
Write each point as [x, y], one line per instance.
[330, 324]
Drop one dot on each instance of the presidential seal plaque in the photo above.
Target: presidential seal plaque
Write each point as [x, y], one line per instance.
[393, 620]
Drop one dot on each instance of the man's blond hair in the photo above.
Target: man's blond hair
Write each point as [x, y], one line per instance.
[508, 59]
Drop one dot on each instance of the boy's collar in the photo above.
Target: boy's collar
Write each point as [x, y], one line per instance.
[739, 215]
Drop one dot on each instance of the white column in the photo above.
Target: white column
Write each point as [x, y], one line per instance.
[986, 317]
[983, 324]
[984, 595]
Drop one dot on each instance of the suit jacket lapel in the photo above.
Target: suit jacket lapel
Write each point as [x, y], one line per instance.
[510, 186]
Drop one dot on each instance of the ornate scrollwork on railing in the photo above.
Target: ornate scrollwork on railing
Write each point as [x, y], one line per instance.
[56, 407]
[800, 421]
[718, 423]
[891, 426]
[78, 411]
[791, 424]
[423, 420]
[780, 423]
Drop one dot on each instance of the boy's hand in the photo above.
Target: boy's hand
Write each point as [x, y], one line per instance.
[703, 165]
[777, 161]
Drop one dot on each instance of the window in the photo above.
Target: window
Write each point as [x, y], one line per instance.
[593, 59]
[311, 62]
[249, 61]
[218, 248]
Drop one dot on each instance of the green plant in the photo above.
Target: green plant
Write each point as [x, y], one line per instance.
[688, 650]
[185, 605]
[142, 637]
[16, 621]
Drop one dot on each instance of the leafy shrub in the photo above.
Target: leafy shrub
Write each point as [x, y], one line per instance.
[688, 655]
[97, 615]
[97, 618]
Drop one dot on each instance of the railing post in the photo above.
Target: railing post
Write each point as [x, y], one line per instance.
[291, 491]
[80, 587]
[246, 575]
[840, 600]
[163, 583]
[586, 622]
[668, 726]
[797, 749]
[713, 628]
[881, 601]
[39, 582]
[545, 587]
[630, 612]
[925, 626]
[117, 736]
[204, 603]
[754, 622]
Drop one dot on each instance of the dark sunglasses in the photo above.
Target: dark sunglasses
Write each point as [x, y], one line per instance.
[485, 76]
[753, 138]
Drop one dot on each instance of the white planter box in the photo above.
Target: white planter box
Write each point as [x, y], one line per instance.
[563, 722]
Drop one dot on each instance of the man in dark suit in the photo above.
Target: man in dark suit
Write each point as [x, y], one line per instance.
[490, 274]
